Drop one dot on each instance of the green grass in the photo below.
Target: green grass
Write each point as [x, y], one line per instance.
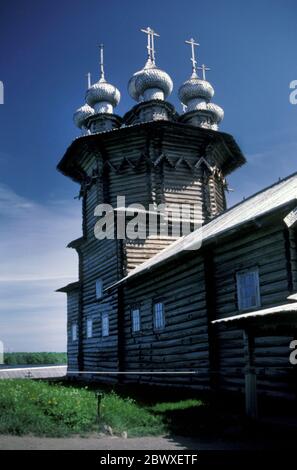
[124, 414]
[55, 409]
[51, 409]
[20, 358]
[174, 406]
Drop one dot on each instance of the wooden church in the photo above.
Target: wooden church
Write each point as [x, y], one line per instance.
[211, 309]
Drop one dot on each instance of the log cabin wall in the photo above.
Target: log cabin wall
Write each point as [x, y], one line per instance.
[267, 249]
[99, 260]
[183, 343]
[72, 318]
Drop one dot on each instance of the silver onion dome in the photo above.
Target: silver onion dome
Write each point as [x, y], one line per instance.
[215, 112]
[82, 114]
[195, 88]
[150, 82]
[103, 92]
[103, 96]
[196, 93]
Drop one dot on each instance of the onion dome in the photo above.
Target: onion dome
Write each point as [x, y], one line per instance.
[196, 93]
[151, 82]
[210, 114]
[216, 111]
[81, 115]
[194, 89]
[103, 96]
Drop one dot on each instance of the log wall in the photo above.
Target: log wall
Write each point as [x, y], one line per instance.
[266, 249]
[183, 344]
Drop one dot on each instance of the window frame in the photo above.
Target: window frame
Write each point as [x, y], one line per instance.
[105, 315]
[135, 309]
[74, 328]
[99, 297]
[90, 320]
[156, 327]
[240, 300]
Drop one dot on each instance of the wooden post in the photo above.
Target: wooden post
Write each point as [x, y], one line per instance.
[251, 399]
[210, 290]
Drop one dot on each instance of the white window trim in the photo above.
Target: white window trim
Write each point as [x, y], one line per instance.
[74, 335]
[258, 296]
[99, 293]
[105, 327]
[89, 327]
[156, 327]
[135, 323]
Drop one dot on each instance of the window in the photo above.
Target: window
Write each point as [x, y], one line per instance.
[105, 324]
[74, 331]
[99, 288]
[135, 320]
[248, 290]
[159, 318]
[89, 328]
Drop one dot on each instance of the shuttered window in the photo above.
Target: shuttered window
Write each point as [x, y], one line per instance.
[89, 328]
[99, 288]
[248, 289]
[74, 331]
[159, 317]
[135, 320]
[105, 324]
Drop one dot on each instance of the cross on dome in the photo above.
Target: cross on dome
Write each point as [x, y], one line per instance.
[204, 68]
[151, 34]
[89, 80]
[192, 43]
[102, 77]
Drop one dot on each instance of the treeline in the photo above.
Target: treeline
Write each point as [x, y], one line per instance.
[21, 358]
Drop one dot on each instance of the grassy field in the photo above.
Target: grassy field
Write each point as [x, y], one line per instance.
[54, 409]
[34, 358]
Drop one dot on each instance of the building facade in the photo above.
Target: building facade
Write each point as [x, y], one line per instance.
[172, 308]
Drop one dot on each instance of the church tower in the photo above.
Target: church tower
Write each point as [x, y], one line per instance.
[151, 156]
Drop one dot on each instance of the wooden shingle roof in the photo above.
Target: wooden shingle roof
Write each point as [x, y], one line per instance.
[264, 202]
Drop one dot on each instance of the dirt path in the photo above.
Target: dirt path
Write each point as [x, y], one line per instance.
[95, 443]
[117, 443]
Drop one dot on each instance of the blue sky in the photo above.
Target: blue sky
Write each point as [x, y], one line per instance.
[46, 49]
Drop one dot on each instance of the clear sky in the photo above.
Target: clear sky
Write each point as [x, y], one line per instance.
[46, 49]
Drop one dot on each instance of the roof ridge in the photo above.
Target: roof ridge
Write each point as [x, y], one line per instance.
[229, 209]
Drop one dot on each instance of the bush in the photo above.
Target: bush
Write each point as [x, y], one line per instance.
[24, 358]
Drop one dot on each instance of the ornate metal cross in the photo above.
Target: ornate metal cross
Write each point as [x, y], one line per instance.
[150, 42]
[101, 62]
[193, 58]
[204, 69]
[89, 80]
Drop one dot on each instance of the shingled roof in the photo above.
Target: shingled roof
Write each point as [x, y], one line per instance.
[261, 203]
